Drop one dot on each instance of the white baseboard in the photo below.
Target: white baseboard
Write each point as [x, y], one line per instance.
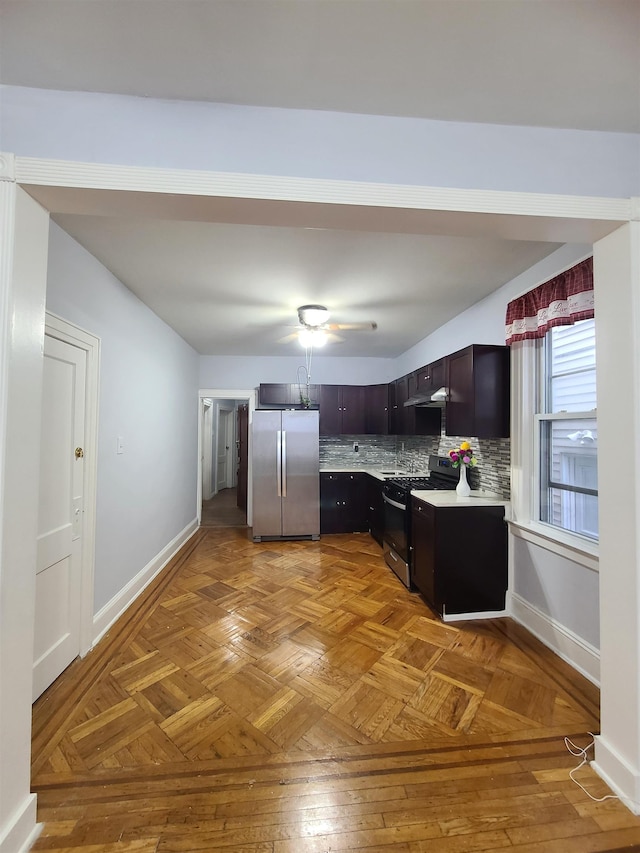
[623, 780]
[22, 829]
[569, 646]
[113, 609]
[483, 614]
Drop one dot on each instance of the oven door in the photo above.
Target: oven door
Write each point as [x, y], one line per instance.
[396, 539]
[395, 527]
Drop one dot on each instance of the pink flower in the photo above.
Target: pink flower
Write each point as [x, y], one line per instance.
[454, 456]
[466, 459]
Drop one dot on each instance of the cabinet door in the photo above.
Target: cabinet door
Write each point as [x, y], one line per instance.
[375, 507]
[460, 403]
[432, 377]
[353, 410]
[394, 421]
[424, 379]
[409, 412]
[298, 394]
[478, 402]
[330, 410]
[402, 394]
[343, 503]
[438, 372]
[356, 520]
[376, 409]
[423, 538]
[274, 394]
[332, 502]
[473, 579]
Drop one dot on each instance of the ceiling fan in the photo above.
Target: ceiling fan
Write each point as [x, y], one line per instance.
[314, 320]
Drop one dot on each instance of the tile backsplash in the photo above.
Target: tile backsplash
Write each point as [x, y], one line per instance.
[388, 452]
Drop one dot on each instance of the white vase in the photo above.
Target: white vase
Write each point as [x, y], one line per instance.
[463, 490]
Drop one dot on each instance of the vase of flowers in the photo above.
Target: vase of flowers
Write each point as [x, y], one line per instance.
[463, 458]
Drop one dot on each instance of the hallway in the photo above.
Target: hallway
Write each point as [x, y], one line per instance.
[222, 510]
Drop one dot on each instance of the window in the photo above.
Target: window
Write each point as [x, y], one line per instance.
[567, 430]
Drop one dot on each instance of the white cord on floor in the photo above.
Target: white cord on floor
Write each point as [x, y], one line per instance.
[582, 753]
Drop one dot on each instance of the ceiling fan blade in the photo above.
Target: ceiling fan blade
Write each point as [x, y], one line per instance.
[288, 338]
[352, 327]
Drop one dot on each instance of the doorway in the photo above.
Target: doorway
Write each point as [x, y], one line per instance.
[224, 439]
[66, 515]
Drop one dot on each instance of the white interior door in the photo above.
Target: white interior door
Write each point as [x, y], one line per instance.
[223, 448]
[60, 513]
[207, 449]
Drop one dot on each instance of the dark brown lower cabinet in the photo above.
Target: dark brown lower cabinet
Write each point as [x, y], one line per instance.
[375, 507]
[343, 502]
[459, 557]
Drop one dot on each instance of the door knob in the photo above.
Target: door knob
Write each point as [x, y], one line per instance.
[79, 453]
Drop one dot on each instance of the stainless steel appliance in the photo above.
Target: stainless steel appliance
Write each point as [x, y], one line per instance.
[397, 512]
[286, 482]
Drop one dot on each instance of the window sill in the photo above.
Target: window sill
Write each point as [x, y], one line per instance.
[573, 548]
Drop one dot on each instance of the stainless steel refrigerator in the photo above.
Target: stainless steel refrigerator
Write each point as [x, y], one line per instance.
[286, 479]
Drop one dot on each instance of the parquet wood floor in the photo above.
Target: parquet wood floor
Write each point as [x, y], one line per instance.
[294, 696]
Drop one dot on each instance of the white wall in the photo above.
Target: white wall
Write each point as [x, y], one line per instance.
[149, 396]
[561, 589]
[484, 322]
[242, 372]
[222, 137]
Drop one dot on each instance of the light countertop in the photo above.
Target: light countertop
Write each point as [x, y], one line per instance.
[378, 473]
[451, 498]
[443, 497]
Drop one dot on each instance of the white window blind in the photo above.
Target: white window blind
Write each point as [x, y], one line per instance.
[568, 432]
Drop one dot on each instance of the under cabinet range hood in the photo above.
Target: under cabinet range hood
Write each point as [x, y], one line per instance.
[437, 398]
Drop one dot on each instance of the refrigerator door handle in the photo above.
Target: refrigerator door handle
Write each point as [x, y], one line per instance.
[279, 462]
[284, 463]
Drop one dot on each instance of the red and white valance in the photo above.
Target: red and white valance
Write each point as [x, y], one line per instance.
[561, 301]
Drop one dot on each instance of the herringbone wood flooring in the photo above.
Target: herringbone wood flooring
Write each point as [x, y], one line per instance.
[294, 696]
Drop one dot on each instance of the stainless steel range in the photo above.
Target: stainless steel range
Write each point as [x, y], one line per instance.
[396, 494]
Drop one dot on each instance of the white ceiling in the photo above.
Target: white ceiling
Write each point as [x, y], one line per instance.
[548, 63]
[467, 60]
[239, 290]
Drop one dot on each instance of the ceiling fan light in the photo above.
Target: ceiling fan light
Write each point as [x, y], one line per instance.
[313, 315]
[312, 337]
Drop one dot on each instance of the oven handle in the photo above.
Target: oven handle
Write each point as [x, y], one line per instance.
[394, 503]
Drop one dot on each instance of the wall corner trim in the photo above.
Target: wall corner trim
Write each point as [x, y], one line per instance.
[22, 830]
[7, 167]
[616, 771]
[581, 655]
[113, 609]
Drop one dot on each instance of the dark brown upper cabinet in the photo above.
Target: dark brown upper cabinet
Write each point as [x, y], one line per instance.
[411, 420]
[342, 410]
[285, 395]
[405, 419]
[478, 399]
[376, 400]
[432, 377]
